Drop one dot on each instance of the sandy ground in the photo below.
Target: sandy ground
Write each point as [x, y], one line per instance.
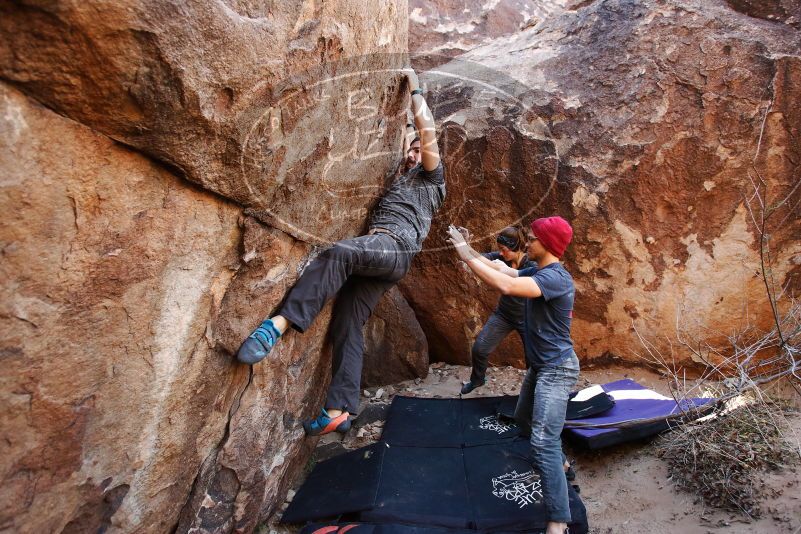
[626, 488]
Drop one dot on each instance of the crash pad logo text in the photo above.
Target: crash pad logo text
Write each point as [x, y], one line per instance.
[522, 489]
[491, 423]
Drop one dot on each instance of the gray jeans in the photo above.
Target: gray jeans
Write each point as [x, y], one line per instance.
[494, 331]
[360, 270]
[541, 407]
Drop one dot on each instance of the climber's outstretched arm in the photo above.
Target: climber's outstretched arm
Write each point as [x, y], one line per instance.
[424, 121]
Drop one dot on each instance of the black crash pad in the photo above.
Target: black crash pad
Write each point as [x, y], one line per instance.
[350, 527]
[506, 493]
[486, 488]
[344, 484]
[468, 422]
[442, 464]
[384, 528]
[415, 422]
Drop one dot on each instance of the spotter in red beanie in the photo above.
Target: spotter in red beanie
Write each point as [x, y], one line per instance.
[554, 233]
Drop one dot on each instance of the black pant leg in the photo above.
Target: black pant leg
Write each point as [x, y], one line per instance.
[365, 255]
[493, 332]
[353, 307]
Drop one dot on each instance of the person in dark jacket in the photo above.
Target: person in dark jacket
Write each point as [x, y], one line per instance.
[508, 315]
[360, 270]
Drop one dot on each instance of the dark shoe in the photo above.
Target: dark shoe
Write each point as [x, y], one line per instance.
[506, 418]
[467, 387]
[570, 474]
[325, 424]
[258, 344]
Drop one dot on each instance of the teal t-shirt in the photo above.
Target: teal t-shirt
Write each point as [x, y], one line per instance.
[548, 318]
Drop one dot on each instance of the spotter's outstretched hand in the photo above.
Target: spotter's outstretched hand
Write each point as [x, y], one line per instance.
[465, 232]
[456, 238]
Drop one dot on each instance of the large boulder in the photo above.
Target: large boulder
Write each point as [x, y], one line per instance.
[395, 347]
[112, 268]
[266, 103]
[646, 125]
[443, 29]
[126, 288]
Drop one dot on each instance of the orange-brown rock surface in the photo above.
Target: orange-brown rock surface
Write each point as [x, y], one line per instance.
[112, 268]
[235, 95]
[393, 330]
[640, 122]
[126, 287]
[445, 29]
[786, 11]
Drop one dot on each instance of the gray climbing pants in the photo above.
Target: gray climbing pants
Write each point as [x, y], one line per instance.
[360, 271]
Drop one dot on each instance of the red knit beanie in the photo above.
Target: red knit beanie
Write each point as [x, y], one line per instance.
[554, 233]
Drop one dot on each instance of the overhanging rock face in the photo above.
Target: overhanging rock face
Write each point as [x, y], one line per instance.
[639, 122]
[444, 29]
[268, 104]
[126, 287]
[112, 269]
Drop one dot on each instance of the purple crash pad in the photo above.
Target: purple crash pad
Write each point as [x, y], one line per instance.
[632, 402]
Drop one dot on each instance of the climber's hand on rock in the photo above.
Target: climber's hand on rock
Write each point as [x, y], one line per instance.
[465, 232]
[411, 79]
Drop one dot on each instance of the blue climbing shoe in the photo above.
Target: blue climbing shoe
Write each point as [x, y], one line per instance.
[467, 387]
[258, 344]
[325, 424]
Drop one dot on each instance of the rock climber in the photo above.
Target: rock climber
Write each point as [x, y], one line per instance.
[360, 270]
